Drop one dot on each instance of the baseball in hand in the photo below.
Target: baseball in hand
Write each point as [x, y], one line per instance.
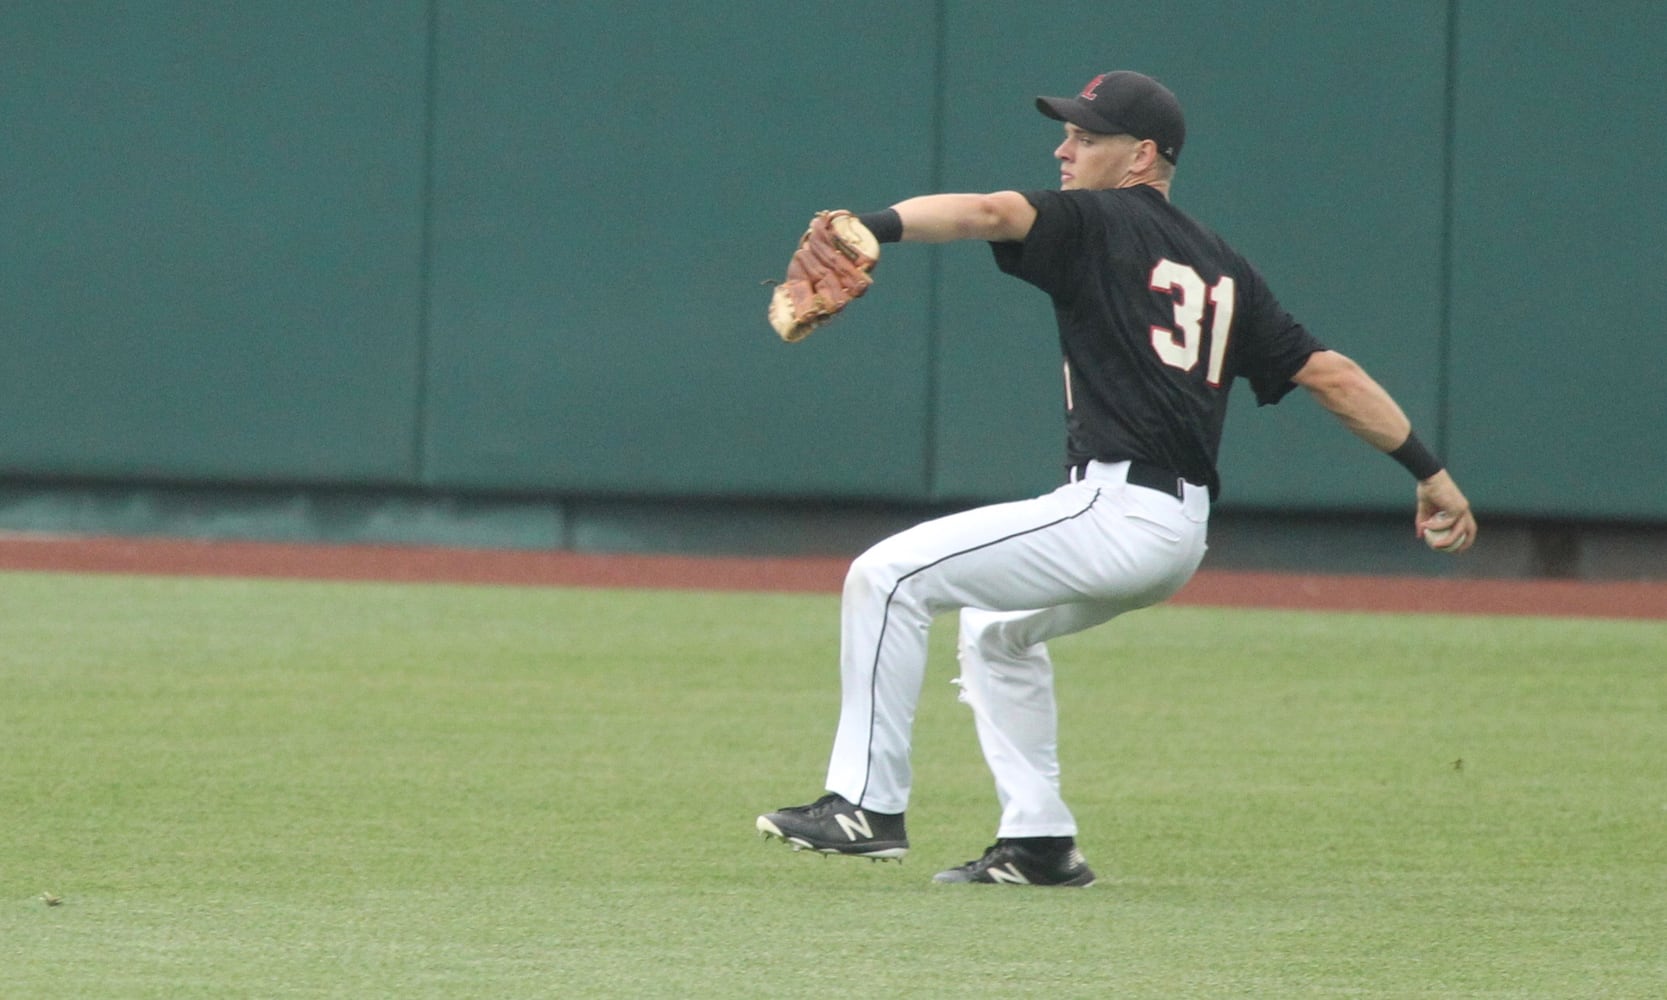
[1443, 539]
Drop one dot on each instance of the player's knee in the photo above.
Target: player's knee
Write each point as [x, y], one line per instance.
[870, 574]
[976, 627]
[989, 639]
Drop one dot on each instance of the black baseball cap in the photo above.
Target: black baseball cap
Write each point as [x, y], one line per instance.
[1124, 102]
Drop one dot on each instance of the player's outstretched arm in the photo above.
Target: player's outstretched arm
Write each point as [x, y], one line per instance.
[1366, 409]
[831, 266]
[941, 218]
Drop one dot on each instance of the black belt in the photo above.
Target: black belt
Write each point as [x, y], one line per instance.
[1153, 477]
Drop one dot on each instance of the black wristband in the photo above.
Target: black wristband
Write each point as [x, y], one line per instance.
[886, 224]
[1416, 458]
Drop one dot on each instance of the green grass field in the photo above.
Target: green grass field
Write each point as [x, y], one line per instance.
[282, 789]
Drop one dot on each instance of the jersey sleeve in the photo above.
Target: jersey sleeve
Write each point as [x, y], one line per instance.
[1050, 254]
[1272, 347]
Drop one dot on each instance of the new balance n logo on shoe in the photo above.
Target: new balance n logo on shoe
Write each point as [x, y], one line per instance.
[854, 824]
[1008, 873]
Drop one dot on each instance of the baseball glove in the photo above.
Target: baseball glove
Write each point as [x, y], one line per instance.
[829, 269]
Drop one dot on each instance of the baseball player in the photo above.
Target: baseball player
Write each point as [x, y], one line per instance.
[1157, 318]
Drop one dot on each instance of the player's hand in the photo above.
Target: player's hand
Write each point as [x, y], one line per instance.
[1444, 520]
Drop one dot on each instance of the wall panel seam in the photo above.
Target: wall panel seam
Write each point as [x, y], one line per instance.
[1449, 166]
[425, 249]
[930, 474]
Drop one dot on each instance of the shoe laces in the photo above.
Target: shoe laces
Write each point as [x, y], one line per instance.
[1011, 849]
[999, 850]
[822, 805]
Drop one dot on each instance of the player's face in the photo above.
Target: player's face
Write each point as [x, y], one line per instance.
[1093, 161]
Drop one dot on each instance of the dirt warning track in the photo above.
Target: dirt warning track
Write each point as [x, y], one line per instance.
[425, 564]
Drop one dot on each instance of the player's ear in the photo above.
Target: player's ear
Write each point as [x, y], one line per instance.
[1146, 155]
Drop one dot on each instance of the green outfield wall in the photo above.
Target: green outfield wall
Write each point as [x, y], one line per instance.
[506, 253]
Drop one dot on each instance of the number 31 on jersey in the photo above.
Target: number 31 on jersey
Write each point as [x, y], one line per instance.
[1179, 346]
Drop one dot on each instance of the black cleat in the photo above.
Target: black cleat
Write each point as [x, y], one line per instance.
[833, 825]
[1012, 862]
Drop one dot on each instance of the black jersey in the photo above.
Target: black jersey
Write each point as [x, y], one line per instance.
[1157, 316]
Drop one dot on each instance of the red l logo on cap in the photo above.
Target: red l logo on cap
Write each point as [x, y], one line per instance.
[1093, 85]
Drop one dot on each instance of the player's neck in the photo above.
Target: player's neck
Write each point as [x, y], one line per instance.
[1160, 184]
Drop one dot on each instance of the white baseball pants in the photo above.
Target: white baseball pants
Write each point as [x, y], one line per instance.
[1021, 573]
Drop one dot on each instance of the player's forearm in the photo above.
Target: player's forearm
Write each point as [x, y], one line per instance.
[1353, 397]
[941, 218]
